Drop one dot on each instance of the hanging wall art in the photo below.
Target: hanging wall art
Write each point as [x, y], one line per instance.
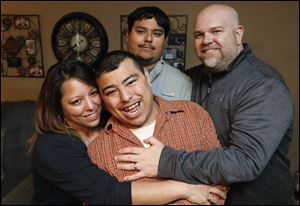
[21, 48]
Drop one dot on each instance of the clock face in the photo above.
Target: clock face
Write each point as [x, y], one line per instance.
[79, 36]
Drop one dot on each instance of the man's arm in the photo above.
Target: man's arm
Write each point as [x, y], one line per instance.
[258, 127]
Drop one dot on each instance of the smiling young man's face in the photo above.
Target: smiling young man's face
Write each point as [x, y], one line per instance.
[127, 95]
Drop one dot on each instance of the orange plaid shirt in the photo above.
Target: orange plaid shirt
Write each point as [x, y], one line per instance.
[179, 124]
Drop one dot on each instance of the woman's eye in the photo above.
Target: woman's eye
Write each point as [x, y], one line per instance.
[94, 93]
[76, 102]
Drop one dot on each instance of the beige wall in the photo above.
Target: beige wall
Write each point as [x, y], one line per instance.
[271, 30]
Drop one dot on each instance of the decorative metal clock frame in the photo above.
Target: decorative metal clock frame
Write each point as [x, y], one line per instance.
[80, 36]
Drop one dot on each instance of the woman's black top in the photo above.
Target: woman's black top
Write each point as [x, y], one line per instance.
[64, 174]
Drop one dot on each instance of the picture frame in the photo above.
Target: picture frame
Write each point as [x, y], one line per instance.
[21, 22]
[176, 38]
[175, 47]
[30, 47]
[21, 47]
[170, 53]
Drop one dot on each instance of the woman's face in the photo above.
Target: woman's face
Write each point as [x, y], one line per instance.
[81, 104]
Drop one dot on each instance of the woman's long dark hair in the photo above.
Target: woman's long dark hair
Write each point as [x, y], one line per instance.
[49, 115]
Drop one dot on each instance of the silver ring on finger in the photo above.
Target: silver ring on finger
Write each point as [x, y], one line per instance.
[135, 167]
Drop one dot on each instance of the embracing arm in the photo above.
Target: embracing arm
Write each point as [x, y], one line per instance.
[164, 192]
[64, 162]
[260, 122]
[258, 126]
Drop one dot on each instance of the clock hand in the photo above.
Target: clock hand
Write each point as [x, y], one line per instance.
[81, 40]
[78, 49]
[76, 44]
[72, 47]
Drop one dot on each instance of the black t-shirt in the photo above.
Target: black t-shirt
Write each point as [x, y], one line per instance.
[64, 174]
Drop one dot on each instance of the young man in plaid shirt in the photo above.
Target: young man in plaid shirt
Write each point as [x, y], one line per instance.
[137, 114]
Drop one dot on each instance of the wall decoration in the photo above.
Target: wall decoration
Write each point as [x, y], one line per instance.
[80, 36]
[21, 48]
[175, 49]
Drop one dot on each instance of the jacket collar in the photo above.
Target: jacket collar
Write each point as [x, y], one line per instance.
[240, 57]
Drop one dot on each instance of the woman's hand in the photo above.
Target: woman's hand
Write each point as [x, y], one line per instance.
[145, 160]
[206, 194]
[169, 191]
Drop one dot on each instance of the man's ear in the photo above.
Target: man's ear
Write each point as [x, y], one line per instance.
[146, 72]
[239, 32]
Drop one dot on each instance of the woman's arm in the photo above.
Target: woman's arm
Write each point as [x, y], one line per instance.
[69, 168]
[158, 193]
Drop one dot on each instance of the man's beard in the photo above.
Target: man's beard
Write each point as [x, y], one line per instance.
[222, 62]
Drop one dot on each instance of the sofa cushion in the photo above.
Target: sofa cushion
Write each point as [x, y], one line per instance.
[18, 125]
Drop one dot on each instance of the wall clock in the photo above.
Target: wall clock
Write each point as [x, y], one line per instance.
[79, 36]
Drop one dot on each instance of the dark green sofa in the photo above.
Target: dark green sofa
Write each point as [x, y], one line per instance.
[17, 126]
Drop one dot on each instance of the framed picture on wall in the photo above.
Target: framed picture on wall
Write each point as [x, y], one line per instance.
[175, 49]
[21, 47]
[170, 53]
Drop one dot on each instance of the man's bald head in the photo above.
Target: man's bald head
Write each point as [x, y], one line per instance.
[218, 36]
[222, 11]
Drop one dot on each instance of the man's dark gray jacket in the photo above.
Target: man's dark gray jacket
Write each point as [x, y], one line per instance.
[252, 110]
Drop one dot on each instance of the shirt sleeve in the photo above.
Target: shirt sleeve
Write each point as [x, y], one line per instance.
[64, 162]
[263, 118]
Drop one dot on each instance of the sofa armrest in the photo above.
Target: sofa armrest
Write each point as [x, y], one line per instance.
[21, 195]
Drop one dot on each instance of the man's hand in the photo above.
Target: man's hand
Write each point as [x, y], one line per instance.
[145, 160]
